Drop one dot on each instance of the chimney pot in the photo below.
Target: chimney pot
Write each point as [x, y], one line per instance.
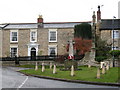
[40, 19]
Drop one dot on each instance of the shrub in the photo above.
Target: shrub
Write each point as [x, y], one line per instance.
[69, 63]
[116, 53]
[100, 58]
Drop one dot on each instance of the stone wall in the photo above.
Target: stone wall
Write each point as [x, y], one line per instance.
[107, 36]
[62, 38]
[43, 41]
[6, 43]
[23, 40]
[0, 42]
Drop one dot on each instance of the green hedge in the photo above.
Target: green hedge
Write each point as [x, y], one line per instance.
[116, 53]
[100, 58]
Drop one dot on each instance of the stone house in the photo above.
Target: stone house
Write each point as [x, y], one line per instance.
[33, 39]
[44, 38]
[108, 30]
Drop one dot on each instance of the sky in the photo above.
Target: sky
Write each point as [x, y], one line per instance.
[27, 11]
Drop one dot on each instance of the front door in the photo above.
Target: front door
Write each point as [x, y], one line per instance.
[33, 54]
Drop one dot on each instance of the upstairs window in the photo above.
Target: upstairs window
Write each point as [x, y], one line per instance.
[52, 35]
[33, 36]
[116, 34]
[14, 36]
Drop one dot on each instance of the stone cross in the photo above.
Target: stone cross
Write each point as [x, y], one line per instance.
[71, 56]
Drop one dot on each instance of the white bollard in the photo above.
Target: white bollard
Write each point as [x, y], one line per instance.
[50, 65]
[36, 66]
[107, 67]
[101, 64]
[111, 64]
[54, 69]
[43, 67]
[98, 73]
[103, 69]
[89, 66]
[72, 71]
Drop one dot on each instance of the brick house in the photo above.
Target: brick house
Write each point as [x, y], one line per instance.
[33, 39]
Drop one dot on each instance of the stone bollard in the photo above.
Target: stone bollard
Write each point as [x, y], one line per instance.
[101, 64]
[107, 67]
[36, 66]
[103, 69]
[72, 71]
[43, 67]
[89, 66]
[111, 64]
[98, 73]
[54, 69]
[50, 65]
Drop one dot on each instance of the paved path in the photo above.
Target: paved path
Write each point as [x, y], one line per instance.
[13, 79]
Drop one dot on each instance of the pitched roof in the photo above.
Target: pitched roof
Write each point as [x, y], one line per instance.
[110, 24]
[46, 25]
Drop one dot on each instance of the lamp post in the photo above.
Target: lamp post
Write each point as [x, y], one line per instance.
[113, 38]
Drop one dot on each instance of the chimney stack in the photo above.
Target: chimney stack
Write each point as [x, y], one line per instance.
[40, 21]
[98, 14]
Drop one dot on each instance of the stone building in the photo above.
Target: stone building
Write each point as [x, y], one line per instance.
[41, 38]
[33, 39]
[108, 30]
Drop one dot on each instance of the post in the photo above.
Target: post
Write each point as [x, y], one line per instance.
[98, 72]
[113, 40]
[54, 69]
[103, 69]
[50, 65]
[72, 70]
[43, 67]
[36, 66]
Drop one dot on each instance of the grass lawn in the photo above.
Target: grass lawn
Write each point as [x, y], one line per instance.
[86, 74]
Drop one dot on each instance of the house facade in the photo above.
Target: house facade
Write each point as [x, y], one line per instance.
[35, 39]
[108, 30]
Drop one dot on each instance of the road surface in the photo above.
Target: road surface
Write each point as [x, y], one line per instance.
[13, 79]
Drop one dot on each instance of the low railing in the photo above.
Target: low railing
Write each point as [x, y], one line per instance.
[59, 58]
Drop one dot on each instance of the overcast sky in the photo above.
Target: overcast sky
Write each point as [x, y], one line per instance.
[27, 11]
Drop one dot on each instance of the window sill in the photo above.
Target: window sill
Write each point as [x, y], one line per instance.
[14, 42]
[52, 41]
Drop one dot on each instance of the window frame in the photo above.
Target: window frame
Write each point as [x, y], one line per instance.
[35, 35]
[116, 35]
[11, 50]
[52, 30]
[12, 31]
[52, 46]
